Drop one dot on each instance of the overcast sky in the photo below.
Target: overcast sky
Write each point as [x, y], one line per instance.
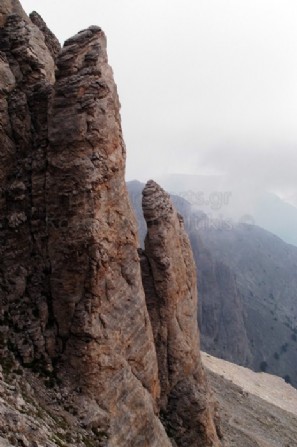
[206, 86]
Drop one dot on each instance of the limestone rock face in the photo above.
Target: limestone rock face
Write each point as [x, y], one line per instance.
[104, 333]
[72, 303]
[169, 278]
[28, 55]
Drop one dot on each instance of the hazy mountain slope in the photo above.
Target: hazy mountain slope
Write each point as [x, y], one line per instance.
[277, 216]
[265, 270]
[257, 409]
[221, 310]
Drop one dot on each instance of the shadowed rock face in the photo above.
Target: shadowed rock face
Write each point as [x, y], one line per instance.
[26, 78]
[71, 295]
[169, 278]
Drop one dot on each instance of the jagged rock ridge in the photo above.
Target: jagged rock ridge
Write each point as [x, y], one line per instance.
[72, 300]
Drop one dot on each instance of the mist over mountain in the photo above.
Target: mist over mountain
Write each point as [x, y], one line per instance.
[236, 200]
[264, 268]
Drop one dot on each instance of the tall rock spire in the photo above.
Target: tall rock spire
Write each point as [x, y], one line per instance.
[105, 341]
[169, 277]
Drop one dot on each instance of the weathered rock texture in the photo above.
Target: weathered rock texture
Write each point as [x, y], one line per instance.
[8, 7]
[169, 277]
[71, 296]
[104, 333]
[27, 75]
[50, 39]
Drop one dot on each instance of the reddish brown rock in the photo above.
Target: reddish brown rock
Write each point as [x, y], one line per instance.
[72, 301]
[104, 332]
[71, 296]
[171, 291]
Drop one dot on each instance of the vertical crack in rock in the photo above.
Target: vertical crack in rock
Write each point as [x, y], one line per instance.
[169, 278]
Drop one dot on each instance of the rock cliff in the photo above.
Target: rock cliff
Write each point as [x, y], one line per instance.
[27, 75]
[73, 308]
[9, 7]
[50, 39]
[104, 337]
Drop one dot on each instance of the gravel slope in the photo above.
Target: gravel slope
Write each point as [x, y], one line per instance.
[257, 409]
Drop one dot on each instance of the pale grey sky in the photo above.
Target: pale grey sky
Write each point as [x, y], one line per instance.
[205, 85]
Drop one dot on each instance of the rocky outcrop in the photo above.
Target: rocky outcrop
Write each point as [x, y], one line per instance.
[70, 269]
[246, 309]
[169, 278]
[73, 308]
